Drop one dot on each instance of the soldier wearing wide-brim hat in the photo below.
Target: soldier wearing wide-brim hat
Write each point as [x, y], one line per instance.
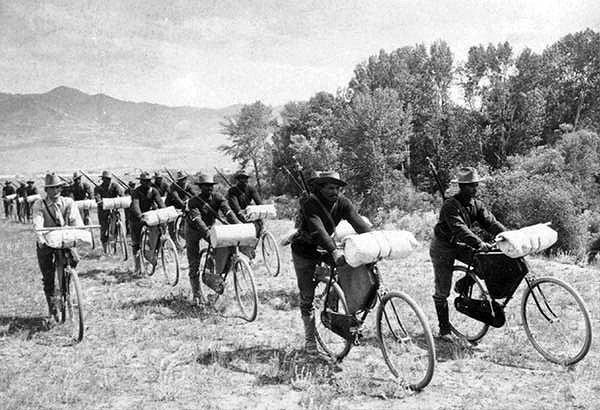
[80, 191]
[52, 211]
[106, 189]
[457, 216]
[200, 218]
[241, 195]
[320, 212]
[143, 199]
[161, 185]
[7, 189]
[30, 189]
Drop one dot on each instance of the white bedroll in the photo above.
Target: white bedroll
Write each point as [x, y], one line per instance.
[86, 204]
[255, 212]
[372, 246]
[120, 202]
[160, 216]
[232, 235]
[33, 198]
[10, 197]
[67, 238]
[522, 242]
[344, 229]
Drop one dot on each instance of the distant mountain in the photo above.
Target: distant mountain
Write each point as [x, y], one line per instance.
[66, 129]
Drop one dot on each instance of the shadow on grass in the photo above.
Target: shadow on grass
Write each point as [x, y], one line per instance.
[169, 307]
[273, 365]
[118, 275]
[15, 324]
[455, 349]
[286, 300]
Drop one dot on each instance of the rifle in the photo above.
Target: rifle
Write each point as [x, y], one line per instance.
[123, 184]
[224, 177]
[88, 178]
[436, 177]
[215, 213]
[293, 178]
[64, 180]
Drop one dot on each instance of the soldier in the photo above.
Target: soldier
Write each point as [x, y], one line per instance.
[143, 199]
[106, 189]
[241, 195]
[201, 216]
[21, 200]
[30, 189]
[320, 212]
[81, 191]
[453, 239]
[129, 192]
[8, 189]
[160, 185]
[177, 195]
[53, 210]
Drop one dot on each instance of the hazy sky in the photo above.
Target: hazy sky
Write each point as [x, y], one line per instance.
[217, 53]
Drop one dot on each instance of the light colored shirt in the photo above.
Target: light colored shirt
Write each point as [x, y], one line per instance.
[64, 213]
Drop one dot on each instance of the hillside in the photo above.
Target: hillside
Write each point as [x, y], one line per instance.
[65, 129]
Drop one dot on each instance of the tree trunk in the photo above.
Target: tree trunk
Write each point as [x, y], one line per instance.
[256, 174]
[578, 112]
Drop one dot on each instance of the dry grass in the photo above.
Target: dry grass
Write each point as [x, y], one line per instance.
[146, 348]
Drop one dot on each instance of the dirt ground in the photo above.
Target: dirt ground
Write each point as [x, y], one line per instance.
[145, 347]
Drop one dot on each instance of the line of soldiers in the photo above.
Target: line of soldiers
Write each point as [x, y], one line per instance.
[23, 206]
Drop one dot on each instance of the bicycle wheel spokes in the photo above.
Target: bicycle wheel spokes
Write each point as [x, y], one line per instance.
[463, 325]
[245, 291]
[406, 340]
[71, 309]
[270, 254]
[170, 261]
[121, 240]
[556, 321]
[335, 345]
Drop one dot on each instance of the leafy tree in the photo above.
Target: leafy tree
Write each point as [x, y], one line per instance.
[250, 132]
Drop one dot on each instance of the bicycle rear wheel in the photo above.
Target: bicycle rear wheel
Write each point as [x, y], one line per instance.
[270, 254]
[245, 291]
[147, 267]
[71, 309]
[462, 325]
[556, 321]
[406, 340]
[170, 261]
[333, 344]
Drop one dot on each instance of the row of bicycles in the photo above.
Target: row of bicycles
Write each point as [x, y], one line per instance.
[554, 317]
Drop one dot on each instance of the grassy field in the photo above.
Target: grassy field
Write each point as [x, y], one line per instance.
[145, 347]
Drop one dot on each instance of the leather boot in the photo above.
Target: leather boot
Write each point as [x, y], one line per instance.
[52, 311]
[441, 308]
[310, 341]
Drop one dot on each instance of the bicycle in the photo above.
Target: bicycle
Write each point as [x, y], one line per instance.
[243, 276]
[117, 235]
[168, 255]
[179, 231]
[403, 331]
[553, 314]
[67, 299]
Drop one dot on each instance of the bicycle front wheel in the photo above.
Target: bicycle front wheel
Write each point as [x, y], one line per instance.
[270, 254]
[406, 340]
[245, 291]
[556, 321]
[463, 325]
[334, 345]
[179, 237]
[170, 261]
[147, 267]
[72, 309]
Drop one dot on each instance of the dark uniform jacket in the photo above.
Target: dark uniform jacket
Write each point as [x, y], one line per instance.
[113, 190]
[458, 215]
[8, 190]
[162, 188]
[81, 191]
[22, 191]
[317, 224]
[144, 199]
[177, 196]
[31, 190]
[239, 199]
[200, 218]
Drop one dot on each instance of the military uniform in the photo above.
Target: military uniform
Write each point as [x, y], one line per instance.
[144, 199]
[105, 190]
[81, 191]
[7, 189]
[177, 195]
[21, 193]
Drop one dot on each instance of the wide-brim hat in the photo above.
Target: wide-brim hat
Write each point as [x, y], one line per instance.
[76, 174]
[329, 177]
[241, 174]
[52, 180]
[30, 181]
[204, 179]
[144, 176]
[106, 174]
[6, 182]
[180, 175]
[157, 175]
[467, 175]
